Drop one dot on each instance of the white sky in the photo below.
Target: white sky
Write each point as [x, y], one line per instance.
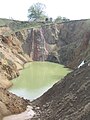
[72, 9]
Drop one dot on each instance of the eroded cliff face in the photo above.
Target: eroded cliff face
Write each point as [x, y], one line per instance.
[11, 104]
[71, 42]
[65, 43]
[12, 57]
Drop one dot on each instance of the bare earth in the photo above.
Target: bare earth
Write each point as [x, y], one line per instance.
[26, 115]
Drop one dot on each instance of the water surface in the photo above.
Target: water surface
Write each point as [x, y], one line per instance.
[36, 78]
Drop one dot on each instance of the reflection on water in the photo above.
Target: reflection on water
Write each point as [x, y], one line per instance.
[37, 78]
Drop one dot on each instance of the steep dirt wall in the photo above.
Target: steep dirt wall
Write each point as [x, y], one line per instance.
[69, 99]
[11, 104]
[71, 41]
[12, 58]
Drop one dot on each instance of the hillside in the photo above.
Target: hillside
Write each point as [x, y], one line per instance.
[16, 25]
[68, 99]
[66, 43]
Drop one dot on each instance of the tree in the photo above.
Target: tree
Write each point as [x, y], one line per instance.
[61, 19]
[65, 19]
[36, 12]
[58, 19]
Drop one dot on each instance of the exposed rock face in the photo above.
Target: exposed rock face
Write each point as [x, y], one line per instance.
[69, 99]
[71, 41]
[66, 43]
[11, 104]
[12, 58]
[35, 45]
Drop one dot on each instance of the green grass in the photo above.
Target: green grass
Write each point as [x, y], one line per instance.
[16, 25]
[4, 22]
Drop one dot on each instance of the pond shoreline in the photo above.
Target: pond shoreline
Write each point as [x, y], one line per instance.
[40, 75]
[19, 70]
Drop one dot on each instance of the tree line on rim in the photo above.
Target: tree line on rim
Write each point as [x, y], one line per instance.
[36, 12]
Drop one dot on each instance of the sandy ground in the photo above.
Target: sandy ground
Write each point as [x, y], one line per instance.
[26, 115]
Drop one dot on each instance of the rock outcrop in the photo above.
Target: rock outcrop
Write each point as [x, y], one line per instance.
[12, 58]
[11, 104]
[66, 43]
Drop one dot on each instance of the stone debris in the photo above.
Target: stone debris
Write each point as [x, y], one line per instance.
[26, 115]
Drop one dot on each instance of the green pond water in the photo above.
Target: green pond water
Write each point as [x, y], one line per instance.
[36, 78]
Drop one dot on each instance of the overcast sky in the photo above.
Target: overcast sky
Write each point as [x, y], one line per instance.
[72, 9]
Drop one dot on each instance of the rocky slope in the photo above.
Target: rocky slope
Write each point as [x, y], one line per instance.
[69, 99]
[66, 43]
[11, 104]
[12, 57]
